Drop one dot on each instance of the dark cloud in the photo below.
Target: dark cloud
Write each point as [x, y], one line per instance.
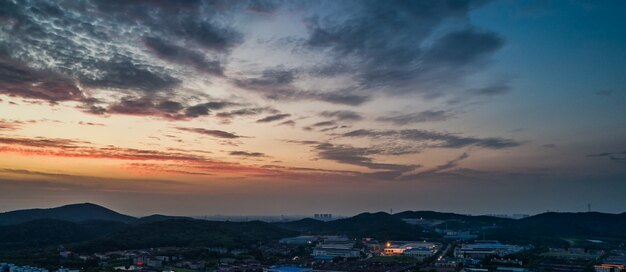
[93, 109]
[357, 156]
[272, 83]
[276, 84]
[123, 74]
[197, 110]
[80, 46]
[169, 106]
[329, 129]
[451, 164]
[263, 6]
[247, 154]
[207, 34]
[606, 154]
[272, 118]
[90, 124]
[9, 125]
[141, 8]
[342, 115]
[436, 139]
[303, 142]
[205, 108]
[183, 56]
[210, 132]
[491, 90]
[604, 93]
[417, 117]
[388, 43]
[288, 123]
[613, 156]
[399, 46]
[218, 105]
[17, 79]
[324, 124]
[41, 142]
[330, 70]
[342, 97]
[93, 44]
[463, 47]
[247, 112]
[145, 107]
[163, 108]
[186, 20]
[272, 78]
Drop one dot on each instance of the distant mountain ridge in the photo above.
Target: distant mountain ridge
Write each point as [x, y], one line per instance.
[72, 213]
[378, 225]
[159, 217]
[78, 213]
[91, 227]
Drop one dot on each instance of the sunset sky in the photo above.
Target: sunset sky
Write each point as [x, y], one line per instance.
[302, 107]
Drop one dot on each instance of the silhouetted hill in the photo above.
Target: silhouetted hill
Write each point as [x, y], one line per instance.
[573, 224]
[430, 215]
[188, 233]
[159, 217]
[302, 224]
[73, 213]
[379, 225]
[53, 232]
[456, 221]
[94, 228]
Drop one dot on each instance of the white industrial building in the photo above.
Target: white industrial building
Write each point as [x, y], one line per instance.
[335, 246]
[419, 250]
[299, 240]
[482, 249]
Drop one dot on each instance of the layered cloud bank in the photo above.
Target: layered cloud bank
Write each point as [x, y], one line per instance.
[209, 92]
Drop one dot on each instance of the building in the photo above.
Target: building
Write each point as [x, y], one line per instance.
[609, 268]
[467, 269]
[15, 268]
[419, 253]
[156, 263]
[616, 259]
[419, 250]
[335, 246]
[287, 269]
[511, 269]
[483, 249]
[67, 270]
[300, 240]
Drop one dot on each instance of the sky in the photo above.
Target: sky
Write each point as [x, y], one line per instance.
[299, 107]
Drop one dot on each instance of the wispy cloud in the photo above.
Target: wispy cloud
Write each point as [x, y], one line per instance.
[272, 118]
[211, 132]
[342, 115]
[247, 154]
[613, 156]
[438, 139]
[417, 117]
